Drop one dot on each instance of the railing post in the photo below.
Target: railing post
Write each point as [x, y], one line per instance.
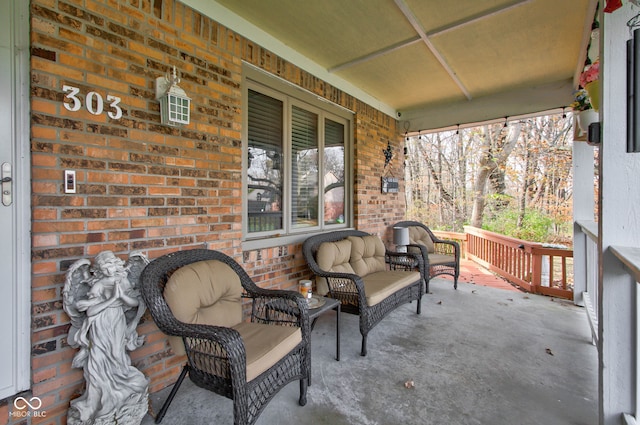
[536, 272]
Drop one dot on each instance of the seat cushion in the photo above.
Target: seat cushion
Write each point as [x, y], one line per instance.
[419, 236]
[379, 285]
[333, 257]
[438, 259]
[265, 345]
[367, 254]
[206, 292]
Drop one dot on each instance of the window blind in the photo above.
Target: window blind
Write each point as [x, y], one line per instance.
[265, 126]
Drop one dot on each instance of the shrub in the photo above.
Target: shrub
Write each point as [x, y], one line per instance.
[536, 227]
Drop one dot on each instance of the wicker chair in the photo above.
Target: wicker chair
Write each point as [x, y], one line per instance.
[246, 361]
[440, 256]
[349, 288]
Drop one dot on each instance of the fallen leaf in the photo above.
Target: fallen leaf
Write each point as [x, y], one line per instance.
[473, 292]
[509, 299]
[525, 298]
[439, 302]
[548, 350]
[409, 384]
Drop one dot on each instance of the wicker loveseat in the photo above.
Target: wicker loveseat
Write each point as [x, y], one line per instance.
[440, 256]
[352, 267]
[196, 295]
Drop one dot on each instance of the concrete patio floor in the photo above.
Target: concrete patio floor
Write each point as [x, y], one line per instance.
[478, 355]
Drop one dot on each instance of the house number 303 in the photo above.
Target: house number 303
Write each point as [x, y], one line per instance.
[93, 102]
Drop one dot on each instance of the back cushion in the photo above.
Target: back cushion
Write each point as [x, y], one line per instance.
[367, 254]
[207, 292]
[334, 256]
[419, 236]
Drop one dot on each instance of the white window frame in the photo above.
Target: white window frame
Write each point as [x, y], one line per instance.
[290, 95]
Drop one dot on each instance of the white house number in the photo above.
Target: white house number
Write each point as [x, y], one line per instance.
[93, 102]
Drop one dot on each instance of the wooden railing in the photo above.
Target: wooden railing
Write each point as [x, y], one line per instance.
[530, 265]
[461, 238]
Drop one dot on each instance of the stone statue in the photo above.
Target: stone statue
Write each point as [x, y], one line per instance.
[105, 306]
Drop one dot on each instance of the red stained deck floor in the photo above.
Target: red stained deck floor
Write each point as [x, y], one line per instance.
[472, 272]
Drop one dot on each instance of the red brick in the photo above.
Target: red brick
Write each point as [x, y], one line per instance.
[142, 185]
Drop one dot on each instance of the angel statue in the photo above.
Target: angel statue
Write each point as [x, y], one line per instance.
[105, 306]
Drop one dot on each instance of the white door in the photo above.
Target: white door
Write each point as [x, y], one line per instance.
[15, 284]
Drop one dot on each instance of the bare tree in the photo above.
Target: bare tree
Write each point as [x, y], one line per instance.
[477, 174]
[497, 144]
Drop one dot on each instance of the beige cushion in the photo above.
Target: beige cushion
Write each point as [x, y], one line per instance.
[206, 292]
[265, 345]
[367, 254]
[333, 257]
[436, 259]
[419, 236]
[379, 285]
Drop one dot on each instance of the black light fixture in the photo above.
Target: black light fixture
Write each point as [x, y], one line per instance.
[388, 154]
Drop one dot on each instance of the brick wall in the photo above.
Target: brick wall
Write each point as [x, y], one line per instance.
[144, 186]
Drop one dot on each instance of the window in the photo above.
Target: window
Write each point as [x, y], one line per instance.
[297, 152]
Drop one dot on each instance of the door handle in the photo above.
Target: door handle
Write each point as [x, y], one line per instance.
[7, 187]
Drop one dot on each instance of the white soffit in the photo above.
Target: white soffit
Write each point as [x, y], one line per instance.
[243, 27]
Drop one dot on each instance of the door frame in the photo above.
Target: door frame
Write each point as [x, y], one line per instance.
[21, 237]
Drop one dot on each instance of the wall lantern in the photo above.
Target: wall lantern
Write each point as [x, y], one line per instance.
[174, 102]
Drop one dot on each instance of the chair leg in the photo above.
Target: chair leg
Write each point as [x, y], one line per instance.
[419, 309]
[172, 394]
[363, 351]
[303, 392]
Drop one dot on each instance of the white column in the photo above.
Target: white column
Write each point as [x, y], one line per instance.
[619, 224]
[583, 210]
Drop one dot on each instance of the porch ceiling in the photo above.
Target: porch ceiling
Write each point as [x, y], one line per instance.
[437, 63]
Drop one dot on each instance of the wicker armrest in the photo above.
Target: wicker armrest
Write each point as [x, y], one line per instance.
[279, 307]
[346, 287]
[214, 349]
[344, 282]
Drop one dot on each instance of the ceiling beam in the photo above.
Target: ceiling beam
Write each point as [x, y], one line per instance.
[376, 54]
[436, 32]
[480, 16]
[408, 13]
